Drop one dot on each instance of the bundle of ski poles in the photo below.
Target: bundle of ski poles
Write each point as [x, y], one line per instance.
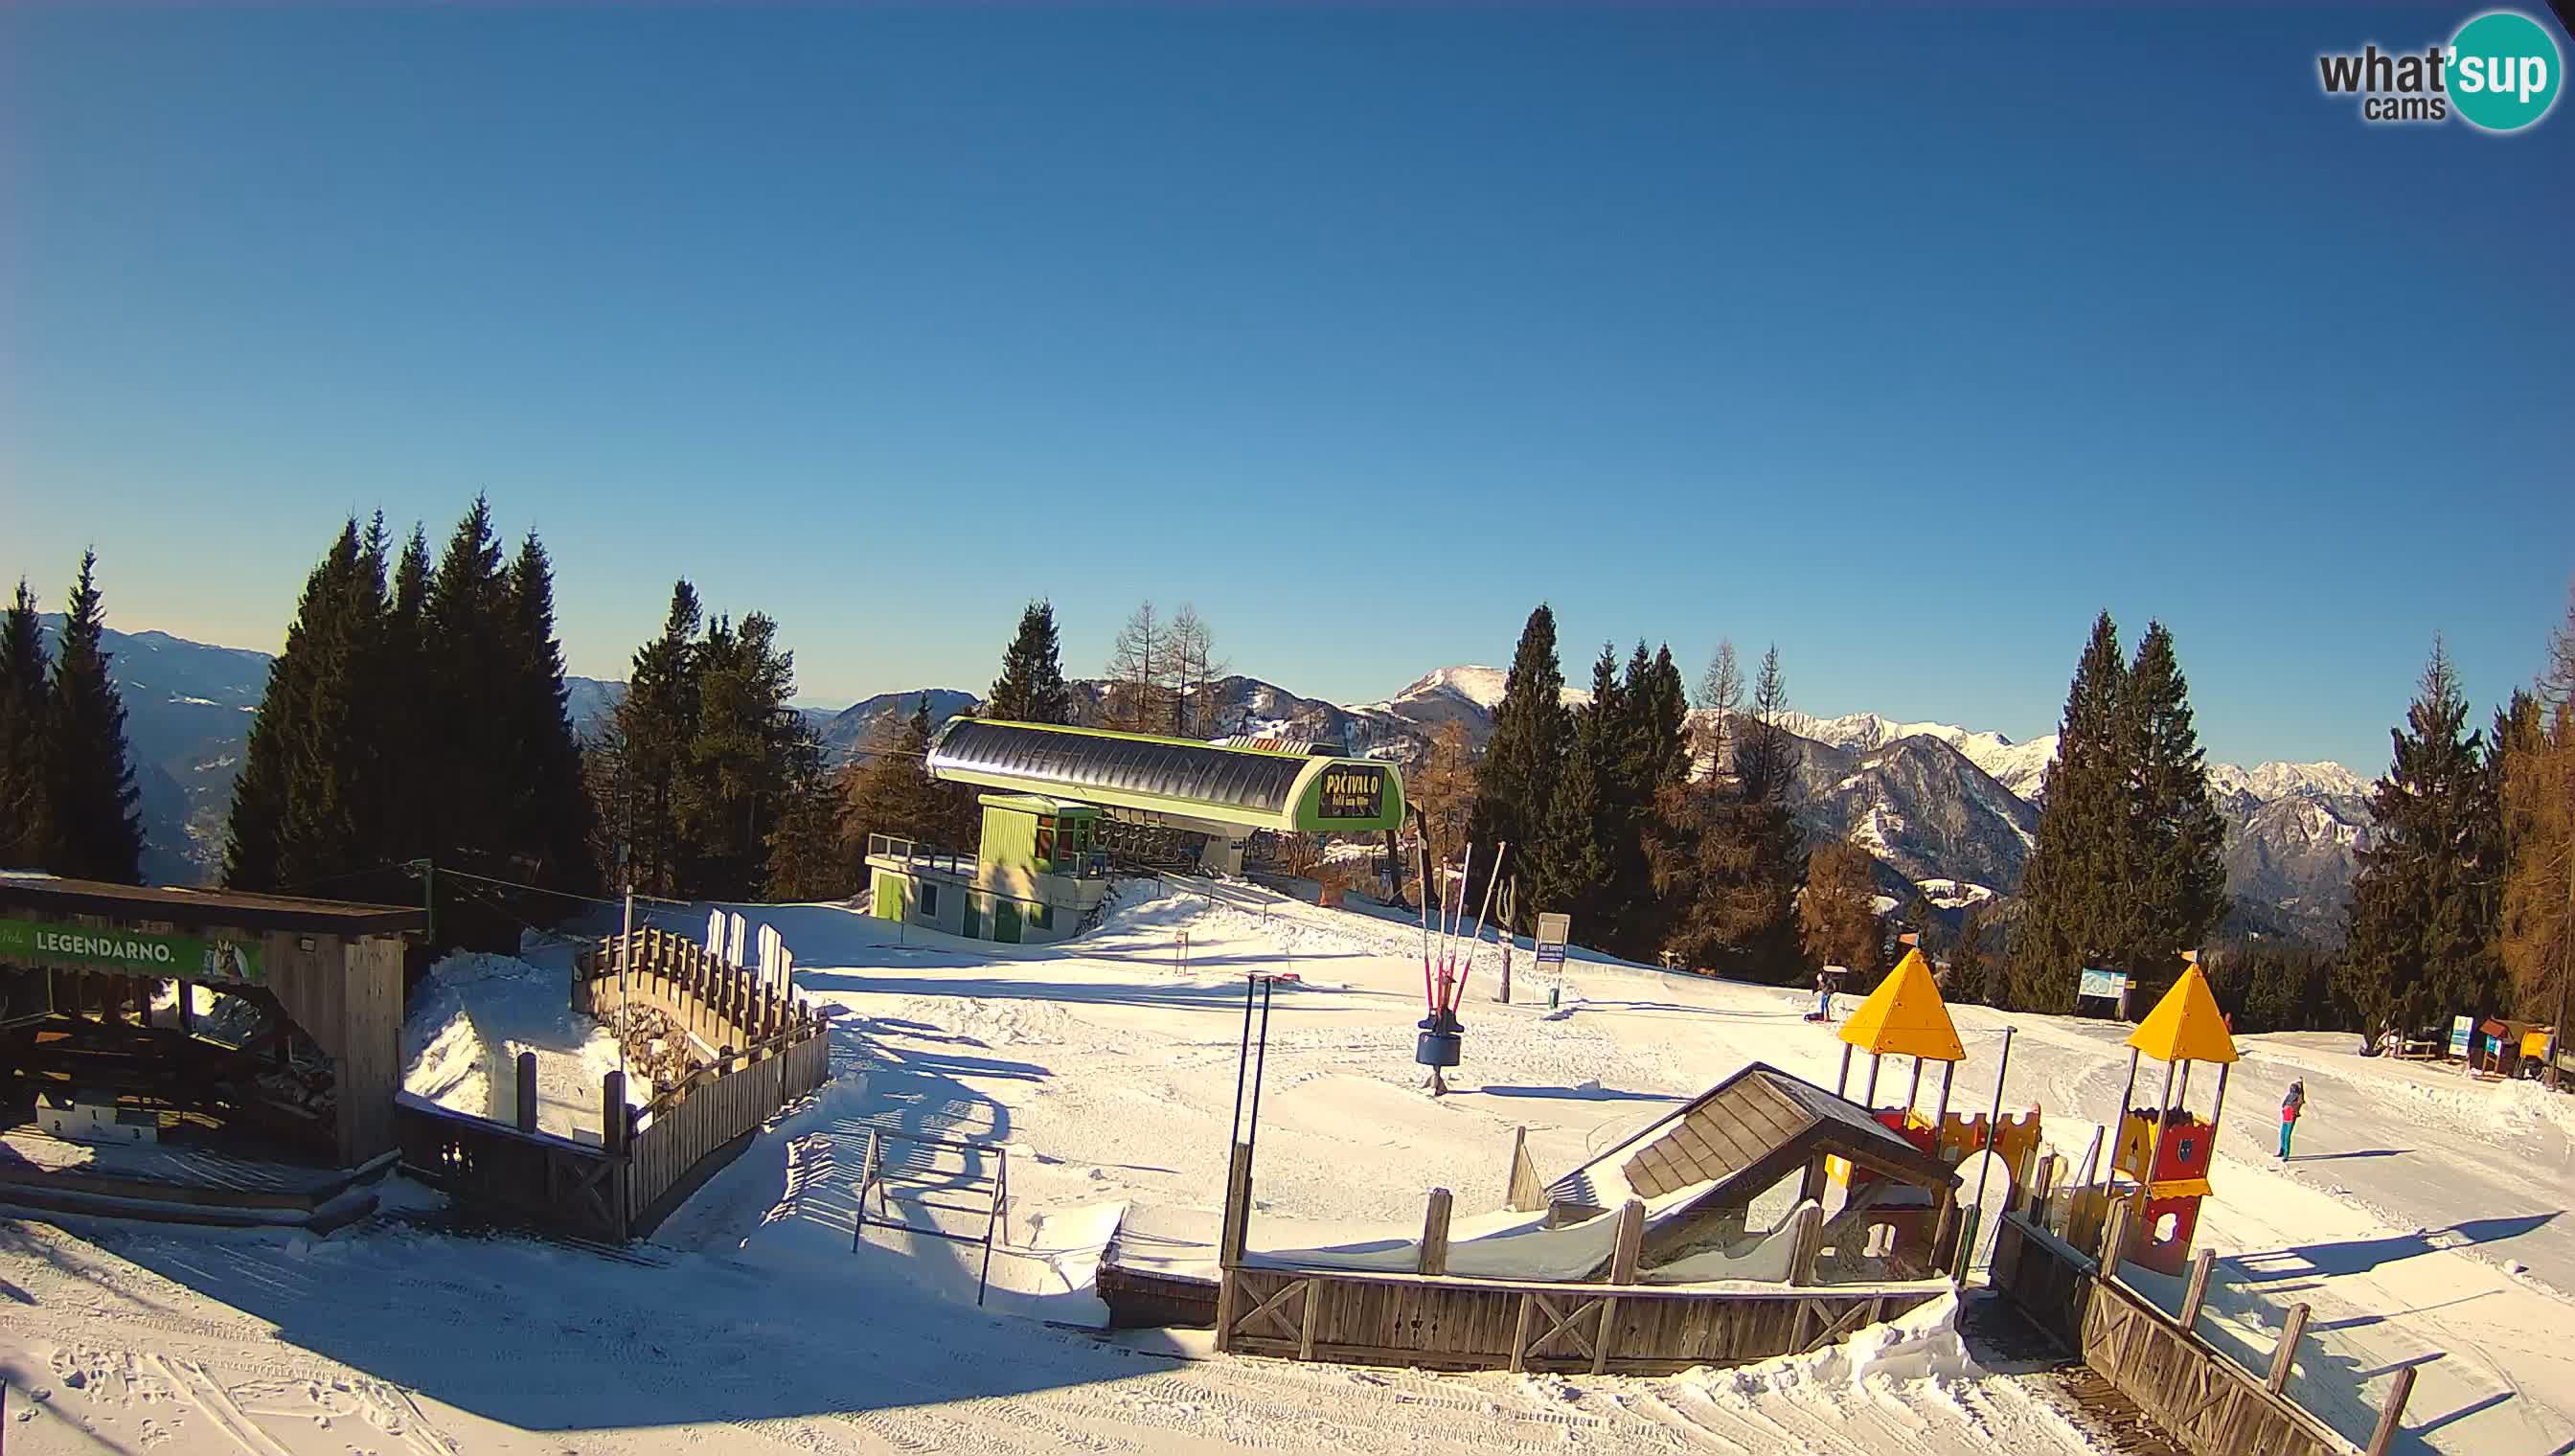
[1445, 967]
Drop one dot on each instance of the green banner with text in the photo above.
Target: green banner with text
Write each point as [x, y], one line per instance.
[131, 952]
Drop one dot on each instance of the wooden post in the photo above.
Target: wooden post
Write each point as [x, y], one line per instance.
[2285, 1357]
[1630, 1248]
[2196, 1293]
[1529, 1315]
[1810, 1243]
[1306, 1326]
[188, 1008]
[1434, 1235]
[528, 1093]
[2114, 1237]
[612, 1113]
[2391, 1412]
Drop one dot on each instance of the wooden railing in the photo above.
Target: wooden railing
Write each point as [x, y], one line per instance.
[770, 1051]
[722, 1006]
[1444, 1323]
[2192, 1390]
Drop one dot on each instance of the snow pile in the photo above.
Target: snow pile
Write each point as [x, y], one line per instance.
[472, 1018]
[1920, 1351]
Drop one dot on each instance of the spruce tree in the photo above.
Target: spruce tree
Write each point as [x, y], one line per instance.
[471, 659]
[2070, 914]
[1032, 687]
[1516, 780]
[806, 857]
[1837, 911]
[550, 808]
[1970, 964]
[2422, 945]
[406, 744]
[651, 729]
[735, 777]
[97, 832]
[2176, 885]
[26, 817]
[1572, 860]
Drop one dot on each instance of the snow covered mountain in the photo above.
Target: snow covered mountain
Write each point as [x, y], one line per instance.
[1933, 802]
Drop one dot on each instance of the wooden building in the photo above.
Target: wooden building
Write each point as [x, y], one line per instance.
[100, 1033]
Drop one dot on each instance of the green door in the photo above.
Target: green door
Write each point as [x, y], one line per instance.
[972, 929]
[1005, 920]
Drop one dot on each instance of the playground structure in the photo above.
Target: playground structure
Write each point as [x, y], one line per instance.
[2161, 1161]
[1906, 1016]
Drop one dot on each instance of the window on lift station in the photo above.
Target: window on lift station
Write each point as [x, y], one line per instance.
[1046, 839]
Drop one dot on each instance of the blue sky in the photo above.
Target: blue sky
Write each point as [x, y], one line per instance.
[1907, 342]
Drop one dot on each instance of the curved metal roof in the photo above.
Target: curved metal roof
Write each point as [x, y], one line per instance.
[1071, 761]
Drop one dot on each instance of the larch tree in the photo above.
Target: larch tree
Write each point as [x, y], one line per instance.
[1724, 852]
[2425, 904]
[1032, 687]
[1195, 668]
[1720, 697]
[1137, 699]
[1445, 790]
[97, 832]
[2536, 734]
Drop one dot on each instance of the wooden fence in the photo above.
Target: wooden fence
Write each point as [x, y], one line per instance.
[2189, 1388]
[1445, 1322]
[772, 1050]
[719, 1005]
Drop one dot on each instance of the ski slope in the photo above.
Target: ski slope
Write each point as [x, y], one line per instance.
[1108, 1072]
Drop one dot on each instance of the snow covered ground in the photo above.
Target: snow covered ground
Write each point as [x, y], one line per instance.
[1109, 1073]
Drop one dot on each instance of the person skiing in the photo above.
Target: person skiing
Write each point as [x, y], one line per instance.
[2290, 1107]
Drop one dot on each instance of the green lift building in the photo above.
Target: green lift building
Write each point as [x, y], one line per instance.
[1059, 795]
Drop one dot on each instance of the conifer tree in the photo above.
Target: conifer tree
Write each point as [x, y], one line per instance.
[1724, 852]
[807, 860]
[1837, 911]
[1970, 962]
[736, 772]
[1573, 857]
[890, 790]
[548, 804]
[400, 809]
[1721, 694]
[651, 731]
[97, 834]
[26, 817]
[2070, 914]
[1514, 781]
[1923, 918]
[2175, 890]
[1032, 687]
[471, 656]
[2426, 903]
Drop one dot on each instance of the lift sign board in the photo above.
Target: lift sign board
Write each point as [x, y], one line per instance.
[1351, 792]
[131, 952]
[1551, 932]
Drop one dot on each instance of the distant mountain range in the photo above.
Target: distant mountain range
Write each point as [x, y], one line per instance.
[1934, 802]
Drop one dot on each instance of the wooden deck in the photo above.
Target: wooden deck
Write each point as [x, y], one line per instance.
[171, 1182]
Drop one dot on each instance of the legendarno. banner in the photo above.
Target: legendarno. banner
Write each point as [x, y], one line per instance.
[131, 952]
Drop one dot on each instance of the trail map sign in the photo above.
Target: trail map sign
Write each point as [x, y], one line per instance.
[2462, 1030]
[2108, 985]
[132, 953]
